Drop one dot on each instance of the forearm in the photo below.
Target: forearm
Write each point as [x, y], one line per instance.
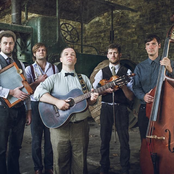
[34, 85]
[48, 98]
[128, 93]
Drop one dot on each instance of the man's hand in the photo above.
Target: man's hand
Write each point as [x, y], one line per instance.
[41, 78]
[94, 95]
[62, 104]
[148, 98]
[28, 118]
[18, 93]
[166, 62]
[93, 98]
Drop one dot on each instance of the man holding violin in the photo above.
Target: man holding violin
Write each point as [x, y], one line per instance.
[117, 98]
[146, 78]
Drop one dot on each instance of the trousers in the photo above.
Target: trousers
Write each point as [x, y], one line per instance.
[70, 144]
[142, 121]
[106, 125]
[12, 123]
[37, 131]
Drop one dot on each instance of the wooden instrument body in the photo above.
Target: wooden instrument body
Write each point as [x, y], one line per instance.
[157, 150]
[163, 128]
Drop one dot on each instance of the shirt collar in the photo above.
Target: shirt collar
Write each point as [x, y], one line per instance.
[63, 72]
[116, 66]
[156, 60]
[4, 55]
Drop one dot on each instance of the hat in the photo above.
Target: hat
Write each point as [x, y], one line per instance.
[3, 32]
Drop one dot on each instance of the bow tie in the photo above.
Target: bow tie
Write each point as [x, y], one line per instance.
[71, 74]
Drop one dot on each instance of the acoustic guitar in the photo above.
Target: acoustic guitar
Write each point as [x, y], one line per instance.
[52, 117]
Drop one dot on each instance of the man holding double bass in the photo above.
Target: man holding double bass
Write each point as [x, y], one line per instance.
[119, 116]
[146, 78]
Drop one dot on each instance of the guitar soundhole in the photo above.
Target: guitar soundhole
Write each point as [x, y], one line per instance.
[71, 102]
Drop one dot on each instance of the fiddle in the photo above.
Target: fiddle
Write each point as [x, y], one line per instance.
[113, 78]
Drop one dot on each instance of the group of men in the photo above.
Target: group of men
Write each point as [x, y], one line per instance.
[67, 145]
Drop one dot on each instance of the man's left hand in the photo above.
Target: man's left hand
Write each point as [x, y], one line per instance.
[166, 62]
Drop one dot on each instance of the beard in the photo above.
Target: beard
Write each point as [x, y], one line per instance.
[115, 62]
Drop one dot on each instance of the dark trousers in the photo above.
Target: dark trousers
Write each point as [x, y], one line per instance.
[37, 130]
[122, 124]
[142, 121]
[12, 123]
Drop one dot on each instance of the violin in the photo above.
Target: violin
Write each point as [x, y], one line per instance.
[113, 78]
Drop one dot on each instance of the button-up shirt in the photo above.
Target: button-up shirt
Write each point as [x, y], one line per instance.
[145, 79]
[61, 85]
[38, 71]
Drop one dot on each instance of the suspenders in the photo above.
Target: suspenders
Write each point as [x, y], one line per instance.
[33, 74]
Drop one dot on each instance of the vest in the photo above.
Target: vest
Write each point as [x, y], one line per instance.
[4, 63]
[119, 95]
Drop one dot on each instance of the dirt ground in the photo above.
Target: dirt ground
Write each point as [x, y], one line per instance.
[26, 163]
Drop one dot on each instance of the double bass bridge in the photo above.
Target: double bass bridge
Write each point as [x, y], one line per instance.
[155, 137]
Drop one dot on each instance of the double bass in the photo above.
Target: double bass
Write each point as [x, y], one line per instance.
[157, 149]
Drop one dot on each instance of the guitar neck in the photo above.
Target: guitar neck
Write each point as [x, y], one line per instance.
[118, 82]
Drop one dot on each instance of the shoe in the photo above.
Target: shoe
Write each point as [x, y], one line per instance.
[49, 171]
[38, 172]
[103, 173]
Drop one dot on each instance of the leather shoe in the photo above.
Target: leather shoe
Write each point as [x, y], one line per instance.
[38, 172]
[48, 171]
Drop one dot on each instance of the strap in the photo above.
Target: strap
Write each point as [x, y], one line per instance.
[53, 68]
[84, 88]
[32, 72]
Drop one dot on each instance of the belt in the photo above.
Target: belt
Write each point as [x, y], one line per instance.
[117, 104]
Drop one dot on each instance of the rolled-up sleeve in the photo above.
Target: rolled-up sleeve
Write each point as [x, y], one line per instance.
[44, 87]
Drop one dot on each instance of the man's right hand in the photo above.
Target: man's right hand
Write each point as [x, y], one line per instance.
[62, 104]
[148, 98]
[17, 93]
[41, 78]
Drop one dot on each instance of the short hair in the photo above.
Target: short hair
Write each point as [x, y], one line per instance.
[36, 47]
[113, 46]
[150, 37]
[7, 35]
[66, 48]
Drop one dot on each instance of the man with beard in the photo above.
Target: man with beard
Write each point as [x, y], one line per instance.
[146, 78]
[36, 73]
[120, 115]
[12, 120]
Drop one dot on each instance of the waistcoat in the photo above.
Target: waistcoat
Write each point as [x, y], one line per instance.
[119, 96]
